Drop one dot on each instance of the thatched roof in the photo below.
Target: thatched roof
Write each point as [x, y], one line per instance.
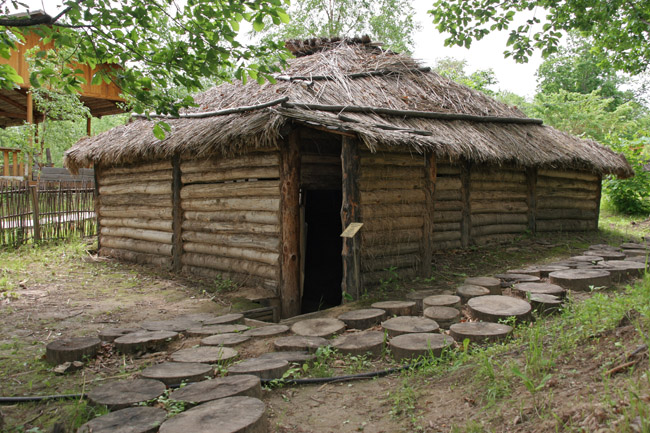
[359, 74]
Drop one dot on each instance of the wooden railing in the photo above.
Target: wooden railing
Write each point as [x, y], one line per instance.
[11, 167]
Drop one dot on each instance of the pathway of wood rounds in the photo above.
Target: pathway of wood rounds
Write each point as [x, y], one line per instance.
[225, 340]
[493, 308]
[479, 332]
[110, 334]
[226, 319]
[396, 308]
[207, 330]
[318, 327]
[581, 279]
[407, 346]
[360, 343]
[143, 341]
[490, 283]
[71, 349]
[363, 319]
[298, 356]
[121, 394]
[141, 419]
[299, 343]
[443, 316]
[469, 291]
[441, 301]
[267, 331]
[220, 387]
[262, 368]
[539, 288]
[205, 355]
[174, 373]
[409, 325]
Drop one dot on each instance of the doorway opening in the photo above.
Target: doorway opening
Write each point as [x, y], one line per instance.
[323, 268]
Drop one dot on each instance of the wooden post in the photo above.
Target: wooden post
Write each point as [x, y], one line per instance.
[598, 197]
[89, 124]
[30, 121]
[97, 200]
[16, 170]
[35, 211]
[351, 212]
[177, 214]
[430, 174]
[531, 179]
[465, 226]
[5, 168]
[290, 217]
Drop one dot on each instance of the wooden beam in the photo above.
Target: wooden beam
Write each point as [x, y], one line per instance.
[430, 174]
[177, 215]
[290, 220]
[531, 180]
[10, 101]
[351, 212]
[465, 226]
[13, 115]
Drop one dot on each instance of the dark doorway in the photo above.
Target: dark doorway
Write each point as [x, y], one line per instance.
[323, 266]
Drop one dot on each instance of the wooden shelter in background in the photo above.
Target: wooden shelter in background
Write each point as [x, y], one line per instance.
[258, 182]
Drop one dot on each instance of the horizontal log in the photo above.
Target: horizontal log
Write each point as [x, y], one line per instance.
[231, 174]
[136, 245]
[264, 188]
[387, 196]
[135, 212]
[439, 206]
[498, 206]
[497, 195]
[311, 158]
[498, 186]
[155, 200]
[137, 188]
[261, 242]
[494, 239]
[563, 174]
[565, 225]
[312, 170]
[579, 214]
[394, 223]
[498, 218]
[447, 216]
[390, 172]
[380, 263]
[395, 249]
[394, 236]
[230, 227]
[447, 183]
[565, 203]
[239, 216]
[242, 279]
[499, 229]
[137, 168]
[498, 176]
[446, 236]
[221, 204]
[239, 162]
[580, 194]
[136, 233]
[447, 195]
[392, 159]
[447, 169]
[147, 176]
[225, 264]
[373, 279]
[374, 184]
[446, 227]
[269, 258]
[137, 223]
[561, 183]
[319, 183]
[135, 257]
[392, 210]
[448, 245]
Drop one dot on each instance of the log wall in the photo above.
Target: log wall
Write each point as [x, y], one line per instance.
[447, 207]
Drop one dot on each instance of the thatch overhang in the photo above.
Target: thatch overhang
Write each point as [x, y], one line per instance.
[354, 75]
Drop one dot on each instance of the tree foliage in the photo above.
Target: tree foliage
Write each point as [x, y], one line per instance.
[454, 69]
[620, 28]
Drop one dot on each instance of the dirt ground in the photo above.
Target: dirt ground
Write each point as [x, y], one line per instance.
[55, 291]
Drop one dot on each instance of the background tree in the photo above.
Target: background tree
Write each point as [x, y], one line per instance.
[454, 69]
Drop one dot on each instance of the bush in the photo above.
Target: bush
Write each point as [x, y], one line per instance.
[631, 196]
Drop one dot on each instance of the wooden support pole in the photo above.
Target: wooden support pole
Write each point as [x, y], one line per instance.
[290, 217]
[351, 212]
[30, 121]
[177, 214]
[35, 211]
[531, 180]
[598, 197]
[465, 227]
[96, 200]
[5, 167]
[16, 170]
[430, 174]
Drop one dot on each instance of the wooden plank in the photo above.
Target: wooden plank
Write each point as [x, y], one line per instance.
[557, 203]
[224, 264]
[391, 159]
[136, 245]
[137, 177]
[261, 242]
[446, 236]
[267, 257]
[142, 234]
[448, 195]
[441, 206]
[579, 194]
[565, 225]
[497, 195]
[154, 200]
[446, 169]
[221, 204]
[232, 174]
[389, 196]
[499, 175]
[268, 188]
[351, 212]
[498, 218]
[498, 229]
[390, 172]
[396, 249]
[223, 164]
[138, 223]
[394, 223]
[391, 210]
[565, 174]
[387, 238]
[230, 227]
[137, 188]
[374, 184]
[242, 216]
[499, 186]
[531, 179]
[138, 168]
[134, 211]
[136, 257]
[447, 216]
[448, 227]
[544, 183]
[578, 214]
[447, 183]
[96, 197]
[499, 206]
[466, 212]
[177, 214]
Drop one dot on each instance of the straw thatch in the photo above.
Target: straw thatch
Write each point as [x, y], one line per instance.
[352, 74]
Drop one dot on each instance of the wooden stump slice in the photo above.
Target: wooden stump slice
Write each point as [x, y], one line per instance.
[239, 414]
[603, 247]
[636, 253]
[174, 325]
[634, 246]
[203, 331]
[143, 341]
[479, 332]
[197, 317]
[140, 419]
[409, 325]
[443, 316]
[493, 308]
[417, 297]
[527, 289]
[220, 387]
[622, 270]
[360, 343]
[396, 308]
[226, 319]
[510, 279]
[224, 340]
[262, 368]
[441, 301]
[289, 356]
[173, 373]
[607, 255]
[566, 263]
[71, 349]
[205, 355]
[639, 259]
[492, 284]
[267, 331]
[318, 327]
[110, 334]
[469, 291]
[533, 271]
[580, 279]
[363, 319]
[586, 259]
[295, 343]
[408, 346]
[544, 270]
[544, 304]
[124, 393]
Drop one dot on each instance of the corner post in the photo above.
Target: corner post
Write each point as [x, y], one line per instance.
[430, 174]
[177, 215]
[350, 212]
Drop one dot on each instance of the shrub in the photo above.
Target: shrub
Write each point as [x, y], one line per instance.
[631, 196]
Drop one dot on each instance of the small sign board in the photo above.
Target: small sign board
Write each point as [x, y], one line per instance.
[351, 230]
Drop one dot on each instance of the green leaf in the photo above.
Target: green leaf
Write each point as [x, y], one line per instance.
[158, 131]
[258, 24]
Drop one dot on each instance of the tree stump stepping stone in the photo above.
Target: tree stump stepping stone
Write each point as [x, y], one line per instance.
[205, 355]
[296, 343]
[639, 259]
[636, 253]
[124, 393]
[175, 325]
[490, 283]
[360, 343]
[144, 341]
[493, 308]
[441, 301]
[325, 327]
[509, 279]
[289, 356]
[224, 340]
[267, 331]
[220, 387]
[262, 368]
[580, 279]
[363, 319]
[141, 419]
[197, 317]
[566, 263]
[443, 316]
[240, 414]
[525, 271]
[71, 349]
[417, 297]
[409, 325]
[586, 259]
[396, 308]
[479, 332]
[174, 373]
[607, 255]
[206, 330]
[634, 246]
[469, 291]
[544, 270]
[528, 289]
[622, 270]
[226, 319]
[603, 247]
[408, 346]
[109, 335]
[544, 303]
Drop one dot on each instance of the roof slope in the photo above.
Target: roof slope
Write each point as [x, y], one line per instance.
[353, 74]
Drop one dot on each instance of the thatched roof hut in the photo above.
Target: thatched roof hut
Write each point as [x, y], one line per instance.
[425, 163]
